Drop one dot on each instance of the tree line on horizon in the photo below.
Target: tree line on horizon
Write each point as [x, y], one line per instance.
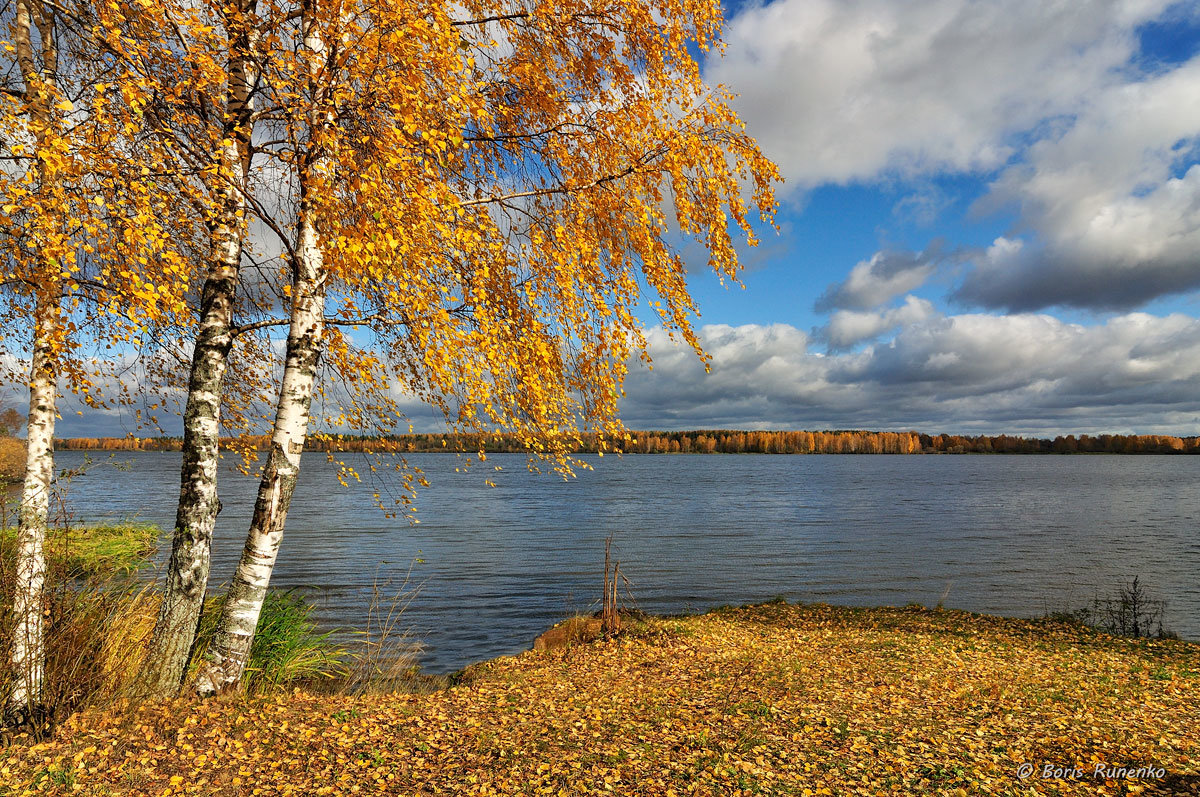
[711, 441]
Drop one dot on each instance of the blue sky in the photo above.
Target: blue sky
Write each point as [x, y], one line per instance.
[990, 222]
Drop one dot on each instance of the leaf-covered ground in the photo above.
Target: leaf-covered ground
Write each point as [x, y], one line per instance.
[771, 699]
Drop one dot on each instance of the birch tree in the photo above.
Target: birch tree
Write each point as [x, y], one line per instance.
[316, 65]
[348, 63]
[37, 58]
[76, 216]
[205, 126]
[509, 189]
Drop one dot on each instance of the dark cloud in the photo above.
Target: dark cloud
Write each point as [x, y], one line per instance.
[1047, 278]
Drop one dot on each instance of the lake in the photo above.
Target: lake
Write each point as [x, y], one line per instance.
[493, 567]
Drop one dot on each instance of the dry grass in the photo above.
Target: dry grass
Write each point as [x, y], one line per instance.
[97, 616]
[773, 699]
[99, 620]
[95, 644]
[12, 459]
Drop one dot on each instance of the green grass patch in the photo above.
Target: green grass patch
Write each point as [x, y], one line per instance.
[92, 550]
[83, 551]
[287, 647]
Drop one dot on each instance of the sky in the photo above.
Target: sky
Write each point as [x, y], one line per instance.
[990, 222]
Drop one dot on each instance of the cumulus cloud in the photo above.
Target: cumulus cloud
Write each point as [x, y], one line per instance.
[982, 373]
[844, 90]
[849, 327]
[1024, 373]
[1112, 203]
[878, 280]
[1095, 146]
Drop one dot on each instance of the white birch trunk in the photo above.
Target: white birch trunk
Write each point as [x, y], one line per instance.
[227, 654]
[24, 705]
[196, 515]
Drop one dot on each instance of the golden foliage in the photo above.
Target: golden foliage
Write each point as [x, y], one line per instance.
[772, 699]
[497, 188]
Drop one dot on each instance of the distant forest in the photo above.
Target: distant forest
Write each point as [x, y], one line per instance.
[719, 441]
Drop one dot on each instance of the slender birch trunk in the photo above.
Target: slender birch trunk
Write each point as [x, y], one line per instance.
[196, 515]
[227, 654]
[23, 705]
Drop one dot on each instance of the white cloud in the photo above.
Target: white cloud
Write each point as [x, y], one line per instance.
[1022, 373]
[878, 280]
[1095, 146]
[843, 90]
[1112, 203]
[849, 327]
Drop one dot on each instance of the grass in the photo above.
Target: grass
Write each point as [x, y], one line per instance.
[86, 551]
[287, 647]
[12, 459]
[770, 699]
[99, 621]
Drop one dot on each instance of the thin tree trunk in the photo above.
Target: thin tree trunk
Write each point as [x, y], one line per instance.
[227, 654]
[225, 660]
[196, 515]
[24, 705]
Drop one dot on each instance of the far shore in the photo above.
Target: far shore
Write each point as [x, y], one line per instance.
[710, 441]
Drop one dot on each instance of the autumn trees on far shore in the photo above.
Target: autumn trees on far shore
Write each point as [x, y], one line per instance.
[265, 213]
[711, 441]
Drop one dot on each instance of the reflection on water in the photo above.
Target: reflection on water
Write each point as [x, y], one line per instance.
[1016, 535]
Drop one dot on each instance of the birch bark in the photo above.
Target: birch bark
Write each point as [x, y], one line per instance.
[196, 515]
[28, 647]
[225, 660]
[227, 654]
[23, 704]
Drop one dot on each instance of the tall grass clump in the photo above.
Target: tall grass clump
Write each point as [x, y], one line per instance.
[385, 655]
[96, 630]
[287, 650]
[100, 617]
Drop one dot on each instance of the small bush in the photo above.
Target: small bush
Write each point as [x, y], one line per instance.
[1131, 612]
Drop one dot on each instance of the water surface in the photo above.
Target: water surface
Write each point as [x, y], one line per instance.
[1013, 535]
